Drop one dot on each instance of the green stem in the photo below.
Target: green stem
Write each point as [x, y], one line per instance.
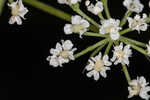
[2, 2]
[76, 8]
[49, 9]
[125, 31]
[133, 41]
[126, 73]
[108, 47]
[53, 11]
[94, 34]
[101, 16]
[148, 19]
[124, 19]
[105, 2]
[135, 47]
[90, 48]
[10, 1]
[97, 50]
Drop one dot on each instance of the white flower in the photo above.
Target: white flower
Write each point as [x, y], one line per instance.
[95, 9]
[148, 48]
[97, 65]
[79, 25]
[139, 87]
[62, 54]
[138, 23]
[111, 26]
[149, 4]
[68, 2]
[133, 5]
[18, 11]
[121, 55]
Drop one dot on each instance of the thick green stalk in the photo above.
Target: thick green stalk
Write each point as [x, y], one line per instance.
[133, 41]
[53, 11]
[105, 2]
[124, 19]
[97, 50]
[90, 48]
[125, 31]
[2, 2]
[76, 8]
[49, 9]
[108, 47]
[126, 73]
[135, 47]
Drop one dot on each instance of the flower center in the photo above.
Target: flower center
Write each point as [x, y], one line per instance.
[98, 65]
[15, 11]
[64, 54]
[132, 6]
[120, 54]
[136, 88]
[109, 29]
[136, 22]
[77, 28]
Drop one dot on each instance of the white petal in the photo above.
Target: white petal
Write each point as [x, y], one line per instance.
[68, 29]
[18, 20]
[103, 73]
[58, 47]
[54, 52]
[12, 20]
[67, 45]
[96, 75]
[90, 74]
[76, 19]
[54, 62]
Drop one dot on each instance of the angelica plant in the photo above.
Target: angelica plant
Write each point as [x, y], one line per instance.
[111, 32]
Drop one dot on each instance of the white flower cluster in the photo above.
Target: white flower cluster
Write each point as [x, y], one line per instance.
[133, 5]
[110, 26]
[138, 23]
[121, 55]
[62, 54]
[95, 9]
[139, 87]
[98, 65]
[79, 25]
[18, 11]
[68, 2]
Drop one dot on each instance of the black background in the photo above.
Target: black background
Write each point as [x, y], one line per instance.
[25, 73]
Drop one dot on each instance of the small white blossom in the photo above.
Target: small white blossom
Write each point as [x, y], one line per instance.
[87, 3]
[79, 25]
[111, 26]
[95, 9]
[18, 11]
[61, 54]
[148, 48]
[149, 4]
[133, 5]
[121, 55]
[68, 2]
[138, 23]
[139, 87]
[98, 66]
